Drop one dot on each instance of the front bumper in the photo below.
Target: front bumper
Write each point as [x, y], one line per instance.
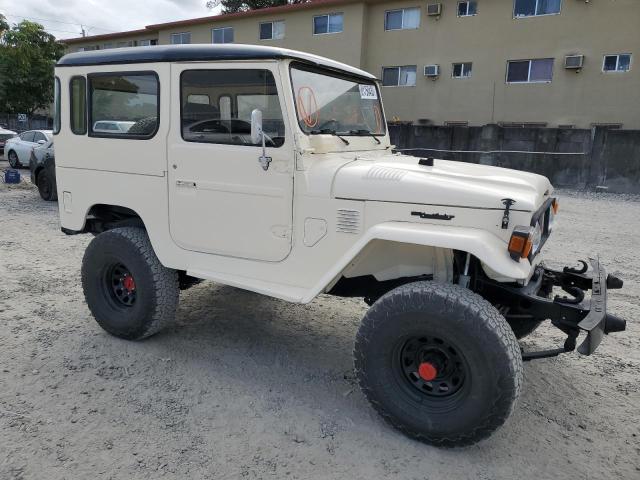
[570, 313]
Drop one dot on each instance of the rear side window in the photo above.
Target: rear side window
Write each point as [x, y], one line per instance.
[124, 105]
[27, 136]
[78, 106]
[56, 106]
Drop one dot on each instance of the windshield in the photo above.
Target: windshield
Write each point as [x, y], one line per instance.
[329, 103]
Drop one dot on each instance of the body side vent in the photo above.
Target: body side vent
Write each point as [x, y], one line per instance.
[348, 221]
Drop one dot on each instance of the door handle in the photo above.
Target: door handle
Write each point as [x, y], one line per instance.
[185, 183]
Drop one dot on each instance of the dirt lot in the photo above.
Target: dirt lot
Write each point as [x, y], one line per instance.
[250, 387]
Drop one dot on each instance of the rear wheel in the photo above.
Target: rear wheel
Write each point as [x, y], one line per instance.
[13, 159]
[439, 363]
[46, 187]
[129, 292]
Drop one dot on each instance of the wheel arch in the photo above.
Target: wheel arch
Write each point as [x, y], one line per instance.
[101, 217]
[434, 240]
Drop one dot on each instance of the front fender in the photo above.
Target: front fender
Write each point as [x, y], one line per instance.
[489, 249]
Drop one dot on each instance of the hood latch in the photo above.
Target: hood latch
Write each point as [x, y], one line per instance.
[507, 202]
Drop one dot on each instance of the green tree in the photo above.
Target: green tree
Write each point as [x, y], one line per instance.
[233, 6]
[27, 58]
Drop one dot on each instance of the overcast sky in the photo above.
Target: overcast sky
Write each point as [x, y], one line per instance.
[63, 18]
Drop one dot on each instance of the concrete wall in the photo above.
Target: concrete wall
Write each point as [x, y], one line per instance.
[598, 156]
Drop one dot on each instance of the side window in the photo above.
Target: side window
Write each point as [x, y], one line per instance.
[39, 136]
[124, 105]
[27, 136]
[234, 95]
[78, 105]
[56, 106]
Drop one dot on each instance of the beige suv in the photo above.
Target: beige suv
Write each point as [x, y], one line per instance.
[271, 170]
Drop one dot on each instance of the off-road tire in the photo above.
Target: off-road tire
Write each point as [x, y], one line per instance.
[480, 337]
[46, 186]
[156, 287]
[14, 162]
[523, 328]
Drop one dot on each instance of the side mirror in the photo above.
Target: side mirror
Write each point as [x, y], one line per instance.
[256, 126]
[41, 142]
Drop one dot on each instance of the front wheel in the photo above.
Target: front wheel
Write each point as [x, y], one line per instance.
[129, 292]
[439, 363]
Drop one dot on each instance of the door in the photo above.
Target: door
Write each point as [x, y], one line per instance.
[24, 146]
[221, 200]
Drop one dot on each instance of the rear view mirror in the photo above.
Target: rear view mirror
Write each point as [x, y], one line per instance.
[256, 126]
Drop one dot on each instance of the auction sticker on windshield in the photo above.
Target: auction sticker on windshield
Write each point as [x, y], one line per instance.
[368, 92]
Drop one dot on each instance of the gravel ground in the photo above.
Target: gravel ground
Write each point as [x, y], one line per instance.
[251, 387]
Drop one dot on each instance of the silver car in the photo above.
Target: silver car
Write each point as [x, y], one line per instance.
[18, 149]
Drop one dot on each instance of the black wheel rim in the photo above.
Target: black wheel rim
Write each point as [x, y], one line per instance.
[432, 366]
[120, 285]
[13, 159]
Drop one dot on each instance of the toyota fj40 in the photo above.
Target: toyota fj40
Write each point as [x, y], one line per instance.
[272, 170]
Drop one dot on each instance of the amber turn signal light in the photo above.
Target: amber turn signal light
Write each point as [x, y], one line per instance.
[520, 243]
[555, 205]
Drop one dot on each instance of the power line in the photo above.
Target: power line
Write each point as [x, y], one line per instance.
[58, 21]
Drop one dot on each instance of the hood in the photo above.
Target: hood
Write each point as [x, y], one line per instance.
[400, 178]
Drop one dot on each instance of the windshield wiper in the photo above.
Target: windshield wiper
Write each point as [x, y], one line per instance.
[362, 131]
[328, 131]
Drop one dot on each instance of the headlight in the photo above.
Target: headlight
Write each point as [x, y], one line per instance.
[536, 238]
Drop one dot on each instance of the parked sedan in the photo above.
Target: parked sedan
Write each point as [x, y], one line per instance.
[19, 148]
[4, 136]
[43, 170]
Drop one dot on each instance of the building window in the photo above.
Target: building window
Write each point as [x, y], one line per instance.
[180, 38]
[124, 105]
[530, 71]
[404, 76]
[467, 9]
[332, 23]
[534, 8]
[107, 46]
[222, 35]
[462, 70]
[125, 44]
[617, 63]
[144, 43]
[403, 19]
[78, 105]
[272, 30]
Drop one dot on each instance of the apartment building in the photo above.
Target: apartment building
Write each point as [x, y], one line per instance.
[569, 63]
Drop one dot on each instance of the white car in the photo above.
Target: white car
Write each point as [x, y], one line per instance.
[112, 126]
[4, 136]
[18, 149]
[297, 193]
